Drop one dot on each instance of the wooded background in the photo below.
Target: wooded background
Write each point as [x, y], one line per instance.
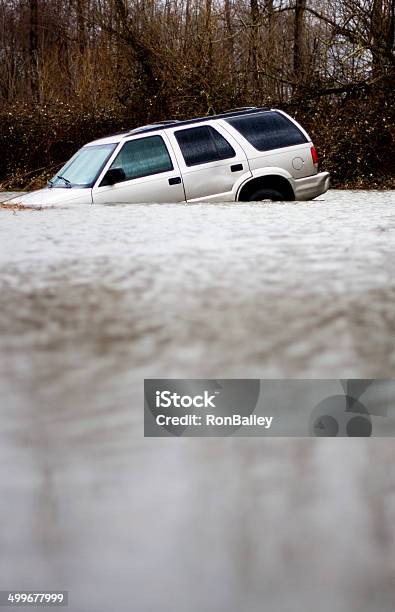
[73, 71]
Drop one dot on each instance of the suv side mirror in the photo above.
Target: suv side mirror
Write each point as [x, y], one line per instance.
[112, 176]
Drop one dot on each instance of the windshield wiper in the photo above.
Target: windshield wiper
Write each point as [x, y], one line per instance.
[68, 184]
[50, 183]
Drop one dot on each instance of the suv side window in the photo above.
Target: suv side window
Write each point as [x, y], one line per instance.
[268, 130]
[143, 157]
[200, 145]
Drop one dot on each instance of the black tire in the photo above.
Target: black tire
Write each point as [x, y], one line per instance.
[266, 194]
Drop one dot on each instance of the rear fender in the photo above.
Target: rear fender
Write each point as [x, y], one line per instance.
[267, 171]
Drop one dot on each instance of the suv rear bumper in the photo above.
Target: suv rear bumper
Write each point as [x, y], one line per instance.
[311, 186]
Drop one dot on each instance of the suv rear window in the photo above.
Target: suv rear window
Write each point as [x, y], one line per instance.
[268, 130]
[203, 144]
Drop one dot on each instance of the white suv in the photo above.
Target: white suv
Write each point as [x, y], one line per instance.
[247, 154]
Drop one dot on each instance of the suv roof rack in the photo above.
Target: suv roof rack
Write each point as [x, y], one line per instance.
[241, 108]
[151, 127]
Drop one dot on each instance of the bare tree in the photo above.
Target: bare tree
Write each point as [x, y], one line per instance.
[33, 48]
[298, 67]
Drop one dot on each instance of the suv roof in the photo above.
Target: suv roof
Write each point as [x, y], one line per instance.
[162, 125]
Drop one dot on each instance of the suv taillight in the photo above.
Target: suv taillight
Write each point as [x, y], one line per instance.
[314, 155]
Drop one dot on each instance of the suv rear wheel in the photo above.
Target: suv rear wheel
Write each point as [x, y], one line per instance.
[266, 194]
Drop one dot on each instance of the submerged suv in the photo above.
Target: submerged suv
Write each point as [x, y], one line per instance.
[247, 154]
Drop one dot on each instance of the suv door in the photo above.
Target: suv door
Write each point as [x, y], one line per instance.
[211, 161]
[151, 174]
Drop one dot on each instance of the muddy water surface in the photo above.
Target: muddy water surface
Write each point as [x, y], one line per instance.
[92, 299]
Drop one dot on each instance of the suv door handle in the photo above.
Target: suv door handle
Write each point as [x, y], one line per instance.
[236, 167]
[176, 180]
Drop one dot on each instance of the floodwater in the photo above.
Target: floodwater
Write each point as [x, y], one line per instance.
[94, 299]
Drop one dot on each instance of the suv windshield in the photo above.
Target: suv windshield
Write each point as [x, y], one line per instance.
[84, 167]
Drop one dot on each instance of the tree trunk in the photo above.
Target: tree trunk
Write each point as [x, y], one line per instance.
[254, 9]
[81, 25]
[33, 48]
[382, 36]
[300, 6]
[229, 32]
